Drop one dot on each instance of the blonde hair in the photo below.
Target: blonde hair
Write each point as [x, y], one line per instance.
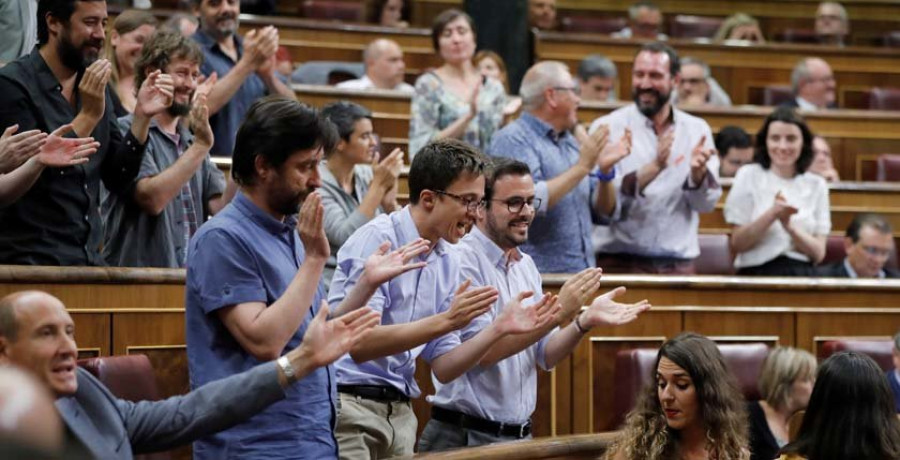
[781, 369]
[126, 22]
[735, 20]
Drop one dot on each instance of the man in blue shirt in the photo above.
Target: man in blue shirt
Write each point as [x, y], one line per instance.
[494, 400]
[542, 138]
[245, 67]
[253, 282]
[420, 310]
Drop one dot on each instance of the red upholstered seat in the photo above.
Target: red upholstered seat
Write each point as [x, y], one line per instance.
[688, 26]
[797, 36]
[593, 25]
[879, 350]
[634, 369]
[888, 167]
[834, 249]
[776, 94]
[884, 99]
[334, 10]
[715, 256]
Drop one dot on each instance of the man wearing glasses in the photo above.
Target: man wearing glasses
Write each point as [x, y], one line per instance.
[493, 401]
[566, 172]
[421, 309]
[813, 85]
[869, 244]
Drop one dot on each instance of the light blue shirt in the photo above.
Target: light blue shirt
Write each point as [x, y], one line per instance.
[560, 237]
[507, 391]
[412, 296]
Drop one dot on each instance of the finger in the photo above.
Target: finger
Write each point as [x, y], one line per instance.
[479, 301]
[322, 315]
[31, 141]
[383, 248]
[477, 311]
[366, 323]
[349, 318]
[615, 292]
[9, 131]
[462, 287]
[524, 295]
[702, 142]
[62, 130]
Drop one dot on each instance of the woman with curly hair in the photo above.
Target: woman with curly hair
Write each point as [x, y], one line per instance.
[692, 409]
[850, 414]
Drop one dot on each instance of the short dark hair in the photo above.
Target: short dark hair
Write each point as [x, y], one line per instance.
[162, 48]
[596, 65]
[732, 137]
[501, 166]
[275, 128]
[60, 9]
[868, 219]
[441, 21]
[440, 163]
[344, 115]
[785, 115]
[378, 8]
[660, 47]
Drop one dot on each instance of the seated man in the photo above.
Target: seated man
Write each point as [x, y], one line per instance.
[597, 78]
[869, 244]
[697, 87]
[893, 375]
[822, 163]
[494, 401]
[37, 334]
[644, 21]
[832, 24]
[178, 187]
[735, 148]
[542, 14]
[813, 85]
[384, 68]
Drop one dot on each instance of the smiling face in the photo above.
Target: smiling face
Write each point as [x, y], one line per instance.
[453, 217]
[677, 395]
[784, 143]
[505, 228]
[651, 82]
[457, 41]
[185, 74]
[128, 45]
[219, 18]
[44, 343]
[80, 41]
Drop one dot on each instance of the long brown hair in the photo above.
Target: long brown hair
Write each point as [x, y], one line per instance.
[646, 434]
[126, 22]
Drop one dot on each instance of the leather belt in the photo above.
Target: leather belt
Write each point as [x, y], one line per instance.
[479, 424]
[376, 392]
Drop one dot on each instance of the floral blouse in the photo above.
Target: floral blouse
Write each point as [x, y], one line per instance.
[434, 108]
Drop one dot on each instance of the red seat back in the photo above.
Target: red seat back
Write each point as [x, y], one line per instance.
[774, 95]
[334, 10]
[688, 26]
[888, 167]
[879, 350]
[592, 25]
[715, 256]
[884, 99]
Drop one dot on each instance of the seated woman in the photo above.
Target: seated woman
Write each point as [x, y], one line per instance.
[126, 39]
[787, 379]
[691, 409]
[850, 414]
[491, 65]
[356, 187]
[778, 210]
[455, 100]
[390, 13]
[740, 27]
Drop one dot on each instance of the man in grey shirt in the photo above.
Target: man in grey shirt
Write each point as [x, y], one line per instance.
[178, 187]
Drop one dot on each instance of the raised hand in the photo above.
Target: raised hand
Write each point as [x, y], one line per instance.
[15, 149]
[614, 152]
[199, 123]
[699, 156]
[469, 303]
[579, 289]
[382, 266]
[61, 151]
[311, 227]
[260, 46]
[473, 100]
[664, 148]
[520, 319]
[590, 149]
[205, 86]
[783, 211]
[155, 95]
[604, 311]
[327, 340]
[92, 89]
[386, 172]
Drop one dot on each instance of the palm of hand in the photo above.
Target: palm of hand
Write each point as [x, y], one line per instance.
[608, 312]
[58, 151]
[153, 99]
[330, 341]
[517, 318]
[383, 267]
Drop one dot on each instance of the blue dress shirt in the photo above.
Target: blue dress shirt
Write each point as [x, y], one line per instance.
[412, 296]
[244, 255]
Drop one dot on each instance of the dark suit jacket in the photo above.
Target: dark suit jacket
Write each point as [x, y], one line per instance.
[792, 102]
[113, 428]
[837, 270]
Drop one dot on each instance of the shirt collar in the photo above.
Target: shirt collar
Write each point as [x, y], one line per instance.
[46, 79]
[542, 128]
[648, 122]
[500, 258]
[852, 273]
[805, 105]
[262, 218]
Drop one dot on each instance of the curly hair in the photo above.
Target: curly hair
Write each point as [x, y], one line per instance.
[646, 435]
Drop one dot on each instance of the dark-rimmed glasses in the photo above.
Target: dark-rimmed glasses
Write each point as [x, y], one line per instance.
[472, 205]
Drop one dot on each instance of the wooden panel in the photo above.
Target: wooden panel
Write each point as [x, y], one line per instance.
[763, 326]
[92, 334]
[857, 322]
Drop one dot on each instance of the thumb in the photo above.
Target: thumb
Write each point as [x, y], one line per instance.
[702, 141]
[524, 295]
[10, 131]
[322, 315]
[62, 130]
[615, 292]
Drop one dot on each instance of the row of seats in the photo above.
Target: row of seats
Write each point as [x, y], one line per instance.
[877, 98]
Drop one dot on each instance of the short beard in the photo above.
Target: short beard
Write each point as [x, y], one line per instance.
[651, 110]
[72, 57]
[178, 109]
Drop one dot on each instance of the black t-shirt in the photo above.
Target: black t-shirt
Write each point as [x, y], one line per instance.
[762, 442]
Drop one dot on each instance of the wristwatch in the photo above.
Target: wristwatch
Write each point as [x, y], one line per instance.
[288, 370]
[604, 177]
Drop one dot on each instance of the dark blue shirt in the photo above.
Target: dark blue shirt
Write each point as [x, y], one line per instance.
[244, 255]
[227, 120]
[559, 239]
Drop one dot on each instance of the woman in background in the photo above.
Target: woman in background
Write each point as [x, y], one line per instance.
[123, 46]
[390, 13]
[491, 65]
[740, 26]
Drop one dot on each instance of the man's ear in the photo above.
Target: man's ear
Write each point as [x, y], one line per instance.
[848, 244]
[263, 170]
[426, 199]
[4, 350]
[54, 25]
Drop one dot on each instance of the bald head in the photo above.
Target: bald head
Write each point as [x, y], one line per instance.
[384, 63]
[27, 414]
[813, 80]
[540, 77]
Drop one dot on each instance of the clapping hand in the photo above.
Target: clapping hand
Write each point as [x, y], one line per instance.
[327, 340]
[783, 210]
[382, 266]
[664, 148]
[578, 289]
[311, 227]
[614, 152]
[59, 151]
[517, 318]
[15, 149]
[155, 95]
[699, 156]
[92, 88]
[469, 303]
[604, 311]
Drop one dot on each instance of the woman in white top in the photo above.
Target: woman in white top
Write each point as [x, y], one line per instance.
[779, 211]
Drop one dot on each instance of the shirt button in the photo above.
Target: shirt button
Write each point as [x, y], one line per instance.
[85, 186]
[86, 218]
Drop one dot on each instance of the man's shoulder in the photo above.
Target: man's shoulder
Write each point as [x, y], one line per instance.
[691, 121]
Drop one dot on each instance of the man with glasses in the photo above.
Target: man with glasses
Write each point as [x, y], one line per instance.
[493, 401]
[869, 244]
[644, 21]
[422, 309]
[832, 24]
[813, 85]
[563, 168]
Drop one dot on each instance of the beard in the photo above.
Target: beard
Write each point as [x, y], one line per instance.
[179, 110]
[649, 110]
[288, 203]
[503, 236]
[77, 57]
[222, 31]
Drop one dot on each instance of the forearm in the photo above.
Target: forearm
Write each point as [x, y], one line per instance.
[369, 204]
[358, 296]
[387, 340]
[17, 182]
[561, 344]
[456, 362]
[226, 86]
[606, 199]
[456, 129]
[513, 344]
[810, 245]
[389, 200]
[218, 203]
[153, 194]
[745, 237]
[83, 124]
[646, 174]
[562, 184]
[140, 126]
[276, 86]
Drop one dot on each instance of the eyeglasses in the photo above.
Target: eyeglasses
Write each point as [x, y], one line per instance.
[574, 89]
[876, 252]
[472, 205]
[517, 203]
